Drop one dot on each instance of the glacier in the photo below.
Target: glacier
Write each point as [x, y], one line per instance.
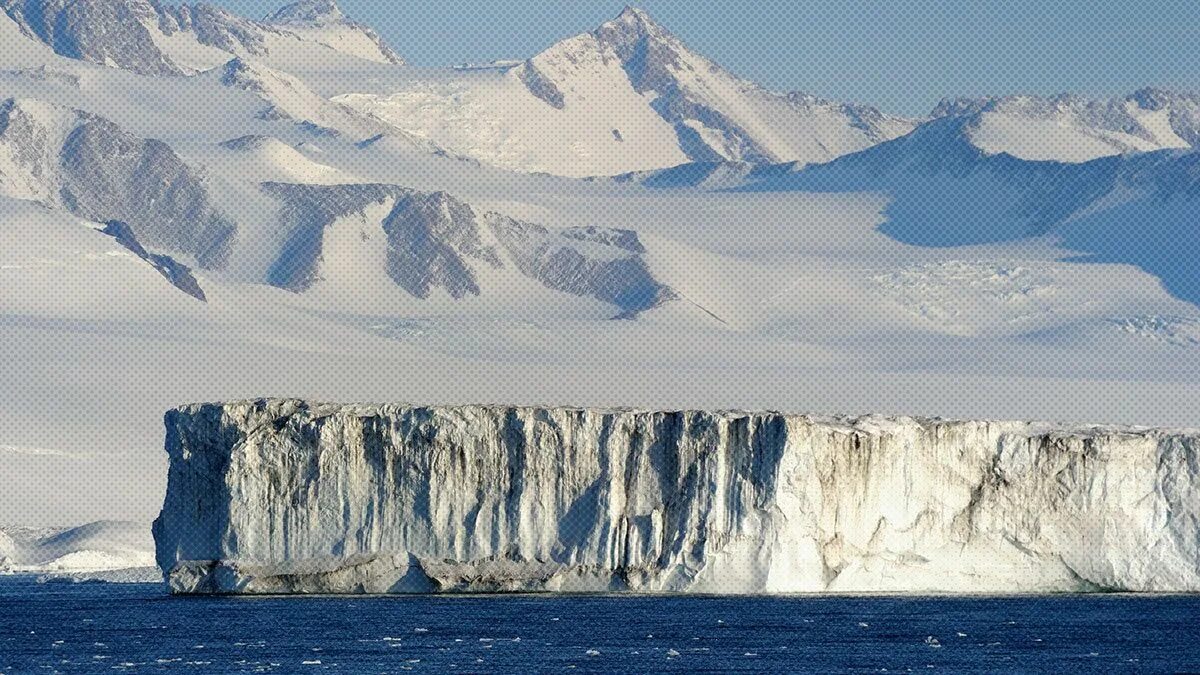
[288, 496]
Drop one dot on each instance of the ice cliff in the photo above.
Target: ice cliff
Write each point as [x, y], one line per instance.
[285, 496]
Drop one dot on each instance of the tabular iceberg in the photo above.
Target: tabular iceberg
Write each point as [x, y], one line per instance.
[284, 496]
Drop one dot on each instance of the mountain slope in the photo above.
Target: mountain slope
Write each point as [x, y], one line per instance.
[945, 191]
[1070, 128]
[99, 546]
[629, 96]
[89, 166]
[715, 115]
[150, 38]
[350, 236]
[323, 22]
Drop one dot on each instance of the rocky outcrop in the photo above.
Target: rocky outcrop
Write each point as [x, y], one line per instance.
[172, 270]
[435, 241]
[291, 497]
[602, 263]
[110, 174]
[108, 32]
[429, 236]
[93, 168]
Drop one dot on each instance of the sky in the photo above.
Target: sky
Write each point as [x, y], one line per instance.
[901, 55]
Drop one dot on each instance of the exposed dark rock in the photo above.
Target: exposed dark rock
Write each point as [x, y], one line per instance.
[428, 235]
[602, 265]
[541, 86]
[108, 174]
[177, 273]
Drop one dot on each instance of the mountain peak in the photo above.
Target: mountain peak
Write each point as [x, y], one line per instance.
[633, 14]
[325, 22]
[1157, 98]
[632, 23]
[309, 11]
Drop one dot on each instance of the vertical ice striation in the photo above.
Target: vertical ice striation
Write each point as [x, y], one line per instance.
[287, 496]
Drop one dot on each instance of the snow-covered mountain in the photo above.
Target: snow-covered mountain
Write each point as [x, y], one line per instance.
[87, 165]
[628, 96]
[426, 242]
[422, 242]
[103, 550]
[337, 227]
[946, 191]
[1070, 128]
[152, 38]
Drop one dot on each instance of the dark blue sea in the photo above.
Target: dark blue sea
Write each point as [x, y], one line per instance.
[78, 628]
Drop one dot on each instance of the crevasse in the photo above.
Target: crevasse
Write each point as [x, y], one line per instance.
[285, 496]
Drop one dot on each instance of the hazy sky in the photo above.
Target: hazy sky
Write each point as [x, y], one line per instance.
[902, 55]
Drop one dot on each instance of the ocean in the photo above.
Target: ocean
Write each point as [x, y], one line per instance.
[90, 627]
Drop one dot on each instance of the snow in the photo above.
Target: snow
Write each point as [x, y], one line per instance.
[492, 117]
[1039, 140]
[270, 159]
[820, 297]
[183, 49]
[186, 39]
[106, 549]
[341, 38]
[1074, 129]
[292, 497]
[576, 110]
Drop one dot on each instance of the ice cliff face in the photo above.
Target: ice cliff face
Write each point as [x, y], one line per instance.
[286, 496]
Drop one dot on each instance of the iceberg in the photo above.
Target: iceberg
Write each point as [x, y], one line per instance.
[287, 496]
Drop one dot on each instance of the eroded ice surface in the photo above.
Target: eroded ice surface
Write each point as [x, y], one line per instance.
[288, 496]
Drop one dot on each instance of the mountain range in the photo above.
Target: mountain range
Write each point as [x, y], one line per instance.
[199, 205]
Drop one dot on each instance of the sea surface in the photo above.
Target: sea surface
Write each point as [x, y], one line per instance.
[67, 627]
